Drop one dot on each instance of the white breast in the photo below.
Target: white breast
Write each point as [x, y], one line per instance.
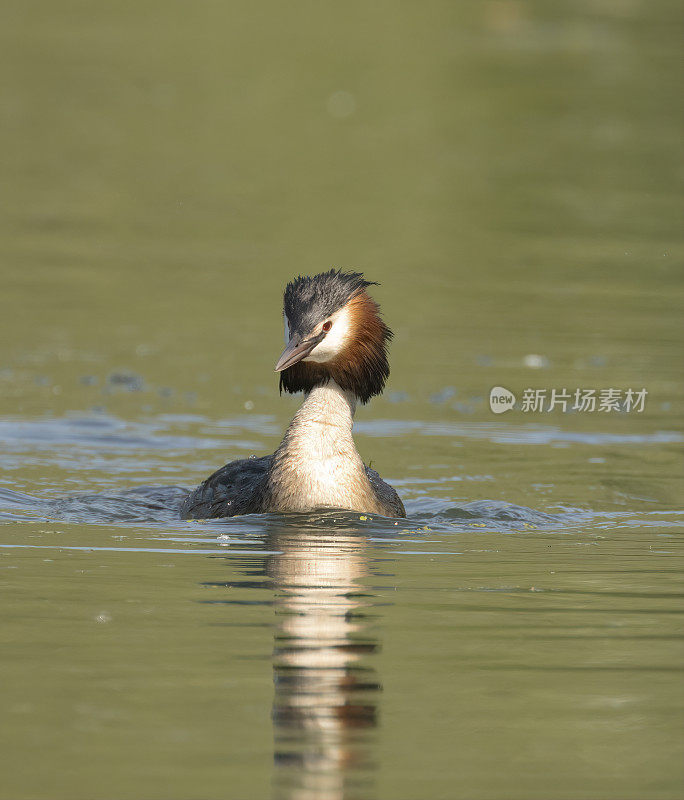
[317, 464]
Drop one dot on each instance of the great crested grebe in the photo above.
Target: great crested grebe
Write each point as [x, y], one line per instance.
[337, 354]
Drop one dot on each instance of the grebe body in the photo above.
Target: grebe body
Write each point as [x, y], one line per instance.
[337, 354]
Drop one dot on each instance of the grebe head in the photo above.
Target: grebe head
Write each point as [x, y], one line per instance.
[333, 331]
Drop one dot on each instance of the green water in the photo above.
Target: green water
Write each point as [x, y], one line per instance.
[511, 173]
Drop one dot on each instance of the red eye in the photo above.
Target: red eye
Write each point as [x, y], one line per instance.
[327, 326]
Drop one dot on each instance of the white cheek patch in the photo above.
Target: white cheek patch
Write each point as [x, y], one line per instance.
[335, 340]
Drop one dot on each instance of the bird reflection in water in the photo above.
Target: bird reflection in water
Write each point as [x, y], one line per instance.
[324, 710]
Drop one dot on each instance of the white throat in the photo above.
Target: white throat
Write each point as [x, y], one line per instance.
[327, 406]
[317, 464]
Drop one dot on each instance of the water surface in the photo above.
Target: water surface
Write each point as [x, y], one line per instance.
[510, 173]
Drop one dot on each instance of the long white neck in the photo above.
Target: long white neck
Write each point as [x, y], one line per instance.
[317, 464]
[326, 409]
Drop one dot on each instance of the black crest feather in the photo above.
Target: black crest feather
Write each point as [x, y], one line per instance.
[308, 300]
